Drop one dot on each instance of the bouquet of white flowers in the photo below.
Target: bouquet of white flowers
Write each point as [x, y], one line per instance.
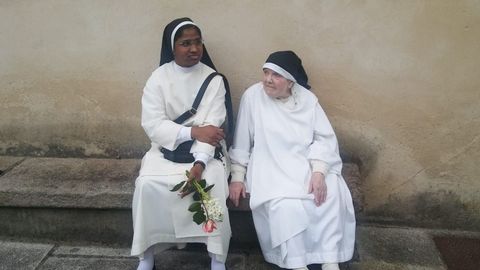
[205, 209]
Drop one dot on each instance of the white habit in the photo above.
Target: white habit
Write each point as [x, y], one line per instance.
[159, 215]
[278, 142]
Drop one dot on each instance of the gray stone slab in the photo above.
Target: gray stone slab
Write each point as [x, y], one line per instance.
[379, 265]
[74, 226]
[17, 255]
[6, 163]
[174, 259]
[90, 263]
[70, 182]
[411, 248]
[169, 259]
[198, 260]
[351, 174]
[257, 262]
[105, 252]
[236, 261]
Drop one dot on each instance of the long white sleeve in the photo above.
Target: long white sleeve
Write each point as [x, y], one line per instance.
[185, 134]
[243, 140]
[158, 127]
[323, 152]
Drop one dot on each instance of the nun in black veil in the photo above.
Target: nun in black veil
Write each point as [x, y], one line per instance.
[282, 126]
[160, 217]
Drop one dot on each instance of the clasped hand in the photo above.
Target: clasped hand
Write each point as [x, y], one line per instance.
[208, 134]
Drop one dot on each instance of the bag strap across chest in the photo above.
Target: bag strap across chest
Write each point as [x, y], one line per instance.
[228, 104]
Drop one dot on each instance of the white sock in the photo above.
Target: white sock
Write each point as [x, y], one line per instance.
[301, 268]
[148, 260]
[216, 265]
[330, 266]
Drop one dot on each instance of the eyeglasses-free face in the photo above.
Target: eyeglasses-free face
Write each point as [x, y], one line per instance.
[275, 85]
[188, 48]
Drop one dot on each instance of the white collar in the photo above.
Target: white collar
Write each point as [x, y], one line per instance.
[179, 68]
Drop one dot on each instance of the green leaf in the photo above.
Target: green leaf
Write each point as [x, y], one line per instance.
[195, 207]
[203, 183]
[191, 188]
[177, 186]
[207, 189]
[199, 217]
[197, 197]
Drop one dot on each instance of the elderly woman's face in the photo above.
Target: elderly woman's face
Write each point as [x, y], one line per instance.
[275, 85]
[188, 48]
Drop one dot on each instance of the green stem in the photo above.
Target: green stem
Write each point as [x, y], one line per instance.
[203, 196]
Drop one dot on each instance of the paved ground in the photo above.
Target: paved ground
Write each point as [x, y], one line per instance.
[385, 248]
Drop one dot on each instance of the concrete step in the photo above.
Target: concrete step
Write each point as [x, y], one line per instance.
[67, 199]
[43, 256]
[379, 248]
[89, 200]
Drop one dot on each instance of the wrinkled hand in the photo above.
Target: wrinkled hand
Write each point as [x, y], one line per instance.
[318, 187]
[237, 189]
[208, 134]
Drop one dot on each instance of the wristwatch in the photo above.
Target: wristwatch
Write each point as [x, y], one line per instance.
[199, 162]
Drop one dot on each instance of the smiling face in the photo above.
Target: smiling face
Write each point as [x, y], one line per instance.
[275, 85]
[188, 48]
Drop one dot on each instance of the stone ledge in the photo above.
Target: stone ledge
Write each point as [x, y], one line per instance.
[95, 183]
[7, 163]
[69, 183]
[18, 255]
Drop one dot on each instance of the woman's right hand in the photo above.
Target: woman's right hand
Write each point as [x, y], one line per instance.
[237, 189]
[208, 134]
[318, 187]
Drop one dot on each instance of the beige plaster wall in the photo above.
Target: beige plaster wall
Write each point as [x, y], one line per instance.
[399, 80]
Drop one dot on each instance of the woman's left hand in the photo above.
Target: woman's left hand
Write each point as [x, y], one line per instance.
[318, 187]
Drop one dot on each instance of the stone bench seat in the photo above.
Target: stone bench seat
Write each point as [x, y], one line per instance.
[88, 183]
[69, 183]
[88, 199]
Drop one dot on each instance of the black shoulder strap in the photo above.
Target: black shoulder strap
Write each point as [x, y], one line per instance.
[184, 116]
[228, 105]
